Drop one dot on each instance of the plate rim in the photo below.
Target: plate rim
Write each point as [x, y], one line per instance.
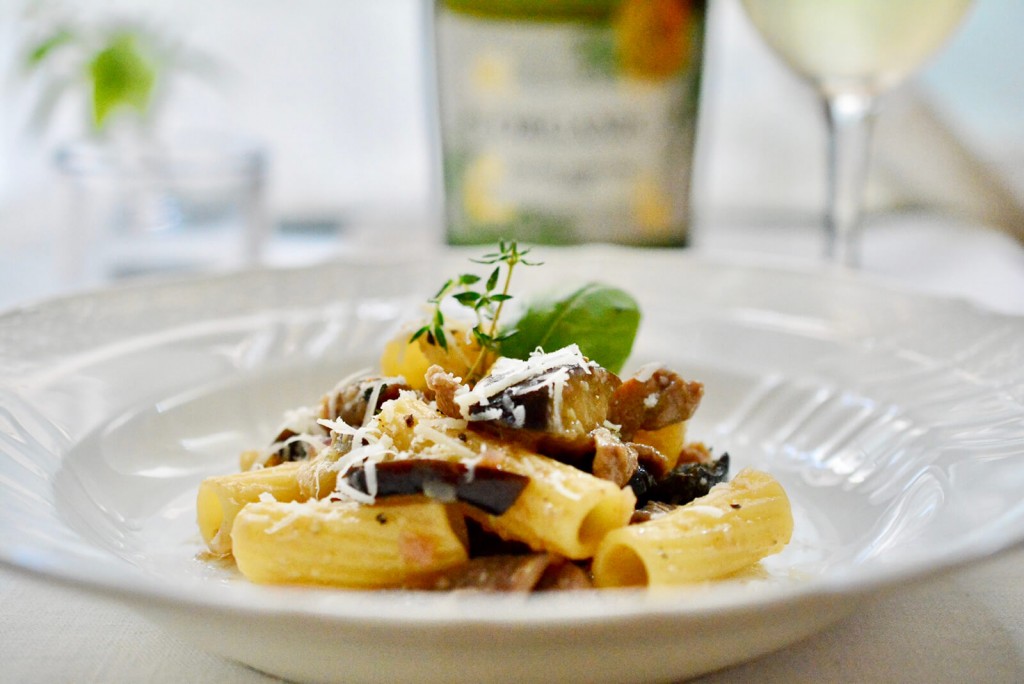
[149, 589]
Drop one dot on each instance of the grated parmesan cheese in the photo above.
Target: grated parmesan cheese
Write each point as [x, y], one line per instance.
[550, 370]
[369, 447]
[507, 372]
[441, 439]
[295, 511]
[301, 420]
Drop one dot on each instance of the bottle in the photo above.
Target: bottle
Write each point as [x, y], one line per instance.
[568, 121]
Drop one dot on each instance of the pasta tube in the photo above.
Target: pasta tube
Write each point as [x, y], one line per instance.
[669, 441]
[735, 525]
[562, 509]
[347, 544]
[221, 498]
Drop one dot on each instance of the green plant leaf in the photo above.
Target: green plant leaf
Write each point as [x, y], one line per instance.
[121, 76]
[44, 48]
[601, 319]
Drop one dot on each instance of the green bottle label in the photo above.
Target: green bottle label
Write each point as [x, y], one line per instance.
[573, 128]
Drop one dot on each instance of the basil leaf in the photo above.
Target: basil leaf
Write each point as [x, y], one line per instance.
[601, 319]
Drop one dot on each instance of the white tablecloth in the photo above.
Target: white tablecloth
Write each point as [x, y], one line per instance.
[965, 626]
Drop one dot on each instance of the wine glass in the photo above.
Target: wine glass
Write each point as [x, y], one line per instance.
[852, 51]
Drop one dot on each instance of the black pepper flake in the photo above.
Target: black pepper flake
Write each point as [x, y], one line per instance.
[382, 519]
[409, 421]
[462, 437]
[735, 506]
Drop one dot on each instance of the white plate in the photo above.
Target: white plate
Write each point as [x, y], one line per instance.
[894, 421]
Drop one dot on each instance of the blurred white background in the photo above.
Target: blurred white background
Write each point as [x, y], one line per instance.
[339, 93]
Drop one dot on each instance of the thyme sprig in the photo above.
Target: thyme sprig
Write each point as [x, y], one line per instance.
[486, 305]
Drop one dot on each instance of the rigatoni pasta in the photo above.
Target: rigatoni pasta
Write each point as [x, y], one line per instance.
[732, 527]
[562, 509]
[346, 544]
[519, 480]
[221, 498]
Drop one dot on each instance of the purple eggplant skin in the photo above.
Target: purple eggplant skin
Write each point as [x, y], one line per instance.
[487, 488]
[681, 485]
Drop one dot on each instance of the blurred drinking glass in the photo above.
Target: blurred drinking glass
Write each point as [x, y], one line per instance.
[853, 51]
[194, 206]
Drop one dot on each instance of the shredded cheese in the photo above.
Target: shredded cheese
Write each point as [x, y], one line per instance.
[444, 440]
[312, 440]
[507, 372]
[371, 402]
[300, 420]
[550, 370]
[369, 447]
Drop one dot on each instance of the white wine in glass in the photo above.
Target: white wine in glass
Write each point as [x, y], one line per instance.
[852, 51]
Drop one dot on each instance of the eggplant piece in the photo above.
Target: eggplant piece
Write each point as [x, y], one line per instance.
[683, 484]
[642, 483]
[292, 451]
[550, 403]
[489, 489]
[349, 402]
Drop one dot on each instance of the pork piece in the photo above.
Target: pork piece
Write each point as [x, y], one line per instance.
[614, 460]
[694, 452]
[654, 398]
[350, 400]
[650, 458]
[442, 385]
[550, 403]
[520, 573]
[564, 577]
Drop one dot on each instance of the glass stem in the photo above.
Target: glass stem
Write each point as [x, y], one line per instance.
[850, 120]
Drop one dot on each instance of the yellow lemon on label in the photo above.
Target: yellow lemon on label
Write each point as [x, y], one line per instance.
[492, 74]
[652, 206]
[480, 199]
